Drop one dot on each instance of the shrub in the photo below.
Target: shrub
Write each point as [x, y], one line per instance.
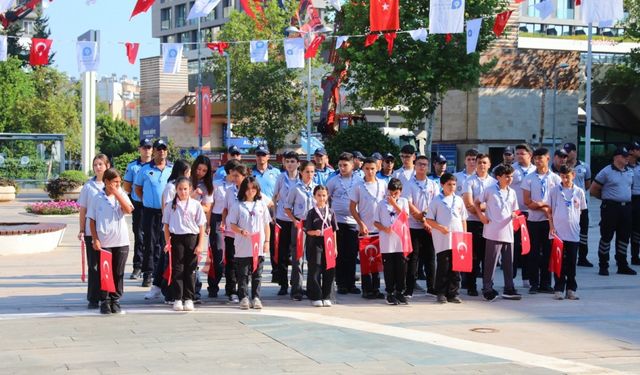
[68, 181]
[120, 162]
[53, 208]
[75, 176]
[8, 182]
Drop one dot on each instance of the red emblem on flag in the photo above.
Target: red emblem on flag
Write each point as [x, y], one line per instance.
[167, 274]
[501, 22]
[384, 15]
[299, 240]
[462, 251]
[39, 54]
[370, 256]
[106, 273]
[330, 247]
[276, 244]
[555, 260]
[255, 249]
[401, 228]
[132, 51]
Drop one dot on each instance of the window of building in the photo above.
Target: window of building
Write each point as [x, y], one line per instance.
[27, 27]
[192, 21]
[181, 15]
[186, 39]
[165, 19]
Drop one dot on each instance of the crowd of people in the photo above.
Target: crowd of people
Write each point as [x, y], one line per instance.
[238, 215]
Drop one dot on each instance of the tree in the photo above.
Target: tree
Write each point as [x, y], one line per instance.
[627, 74]
[115, 137]
[268, 97]
[417, 74]
[41, 30]
[14, 48]
[364, 138]
[18, 92]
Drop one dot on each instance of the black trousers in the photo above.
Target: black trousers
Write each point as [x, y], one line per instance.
[244, 268]
[395, 272]
[347, 238]
[447, 280]
[519, 260]
[615, 218]
[422, 244]
[319, 278]
[469, 278]
[281, 264]
[231, 281]
[93, 271]
[183, 266]
[635, 227]
[153, 240]
[118, 262]
[568, 275]
[584, 234]
[217, 262]
[538, 262]
[370, 282]
[138, 234]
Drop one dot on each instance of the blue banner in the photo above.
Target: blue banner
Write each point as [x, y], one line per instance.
[149, 127]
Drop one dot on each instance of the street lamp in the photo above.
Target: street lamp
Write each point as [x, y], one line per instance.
[323, 30]
[555, 95]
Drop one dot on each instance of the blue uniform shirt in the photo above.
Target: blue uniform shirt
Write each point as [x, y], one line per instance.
[322, 175]
[153, 182]
[130, 176]
[220, 174]
[384, 178]
[267, 180]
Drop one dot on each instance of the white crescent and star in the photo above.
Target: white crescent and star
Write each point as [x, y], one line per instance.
[40, 48]
[106, 268]
[462, 247]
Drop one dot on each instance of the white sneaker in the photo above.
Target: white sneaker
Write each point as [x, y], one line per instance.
[256, 303]
[177, 306]
[234, 298]
[326, 303]
[525, 284]
[571, 294]
[317, 303]
[558, 296]
[244, 304]
[153, 293]
[188, 305]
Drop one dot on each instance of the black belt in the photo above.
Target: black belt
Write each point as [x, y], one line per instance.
[614, 203]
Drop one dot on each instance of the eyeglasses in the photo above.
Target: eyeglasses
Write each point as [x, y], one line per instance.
[405, 156]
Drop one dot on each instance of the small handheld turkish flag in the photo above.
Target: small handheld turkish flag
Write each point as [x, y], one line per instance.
[299, 240]
[462, 251]
[167, 274]
[525, 240]
[370, 256]
[330, 247]
[106, 273]
[501, 22]
[132, 51]
[276, 244]
[83, 257]
[39, 54]
[401, 228]
[555, 260]
[255, 249]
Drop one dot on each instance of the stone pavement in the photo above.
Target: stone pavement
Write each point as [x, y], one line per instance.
[45, 327]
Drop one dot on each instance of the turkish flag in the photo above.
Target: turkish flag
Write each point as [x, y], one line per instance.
[141, 7]
[167, 274]
[501, 22]
[384, 15]
[370, 39]
[299, 240]
[39, 54]
[276, 242]
[255, 249]
[218, 46]
[555, 260]
[205, 111]
[312, 48]
[390, 37]
[330, 252]
[520, 223]
[106, 274]
[401, 228]
[520, 1]
[462, 251]
[132, 51]
[211, 271]
[247, 8]
[370, 256]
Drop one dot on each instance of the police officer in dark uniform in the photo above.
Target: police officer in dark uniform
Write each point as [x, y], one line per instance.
[613, 185]
[634, 164]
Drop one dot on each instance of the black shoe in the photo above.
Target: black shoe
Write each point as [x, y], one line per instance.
[354, 290]
[369, 295]
[626, 270]
[93, 305]
[546, 290]
[213, 295]
[533, 290]
[343, 291]
[511, 294]
[491, 295]
[146, 281]
[296, 296]
[283, 291]
[584, 263]
[603, 271]
[454, 299]
[136, 274]
[472, 292]
[197, 300]
[432, 292]
[115, 307]
[105, 308]
[378, 294]
[391, 299]
[401, 299]
[635, 261]
[442, 299]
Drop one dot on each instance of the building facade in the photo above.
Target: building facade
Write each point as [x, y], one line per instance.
[123, 97]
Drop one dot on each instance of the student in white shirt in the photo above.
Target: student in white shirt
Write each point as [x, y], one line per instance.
[467, 172]
[567, 201]
[501, 204]
[406, 172]
[393, 259]
[446, 214]
[184, 232]
[109, 232]
[364, 201]
[202, 191]
[249, 216]
[522, 168]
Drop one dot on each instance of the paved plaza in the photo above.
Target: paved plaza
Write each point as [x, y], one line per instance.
[46, 328]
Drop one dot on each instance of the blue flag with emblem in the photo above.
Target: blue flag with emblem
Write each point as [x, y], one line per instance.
[88, 57]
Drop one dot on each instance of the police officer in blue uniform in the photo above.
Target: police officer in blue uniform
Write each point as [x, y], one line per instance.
[358, 159]
[146, 150]
[613, 185]
[386, 173]
[582, 180]
[323, 169]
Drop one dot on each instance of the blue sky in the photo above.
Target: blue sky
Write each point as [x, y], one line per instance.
[70, 18]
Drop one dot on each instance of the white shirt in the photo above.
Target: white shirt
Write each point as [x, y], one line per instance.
[367, 195]
[476, 187]
[168, 194]
[519, 175]
[111, 226]
[386, 215]
[284, 184]
[539, 186]
[404, 175]
[339, 188]
[300, 200]
[231, 199]
[566, 207]
[252, 217]
[449, 212]
[186, 218]
[420, 194]
[89, 192]
[206, 197]
[461, 178]
[219, 195]
[501, 203]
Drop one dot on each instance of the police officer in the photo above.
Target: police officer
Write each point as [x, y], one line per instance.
[439, 167]
[234, 153]
[146, 150]
[634, 156]
[507, 158]
[582, 179]
[613, 185]
[323, 169]
[149, 184]
[560, 157]
[358, 159]
[378, 158]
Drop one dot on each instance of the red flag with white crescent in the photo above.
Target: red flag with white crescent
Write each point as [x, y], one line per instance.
[330, 252]
[205, 111]
[167, 274]
[299, 240]
[384, 15]
[520, 224]
[312, 48]
[401, 228]
[501, 22]
[83, 275]
[39, 54]
[132, 52]
[462, 251]
[106, 273]
[370, 256]
[555, 260]
[255, 249]
[276, 243]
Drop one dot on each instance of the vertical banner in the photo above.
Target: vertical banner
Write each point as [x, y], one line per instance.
[204, 111]
[88, 57]
[3, 48]
[259, 51]
[473, 32]
[171, 57]
[294, 52]
[132, 51]
[446, 16]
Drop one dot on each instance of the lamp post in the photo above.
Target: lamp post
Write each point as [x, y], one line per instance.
[555, 95]
[199, 91]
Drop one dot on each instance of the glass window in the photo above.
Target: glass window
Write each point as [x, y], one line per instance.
[192, 21]
[27, 27]
[181, 15]
[165, 19]
[186, 39]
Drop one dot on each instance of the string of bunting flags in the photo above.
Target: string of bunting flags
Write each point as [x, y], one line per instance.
[446, 17]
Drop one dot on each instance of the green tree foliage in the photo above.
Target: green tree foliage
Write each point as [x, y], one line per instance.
[268, 97]
[16, 86]
[417, 74]
[627, 74]
[115, 137]
[364, 138]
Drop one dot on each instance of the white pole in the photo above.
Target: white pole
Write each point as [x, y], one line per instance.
[587, 128]
[309, 110]
[199, 96]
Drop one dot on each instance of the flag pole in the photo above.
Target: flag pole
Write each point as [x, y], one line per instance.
[199, 93]
[587, 128]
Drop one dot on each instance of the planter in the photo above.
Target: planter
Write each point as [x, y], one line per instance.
[7, 193]
[30, 238]
[71, 195]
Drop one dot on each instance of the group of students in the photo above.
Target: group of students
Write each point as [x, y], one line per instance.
[241, 210]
